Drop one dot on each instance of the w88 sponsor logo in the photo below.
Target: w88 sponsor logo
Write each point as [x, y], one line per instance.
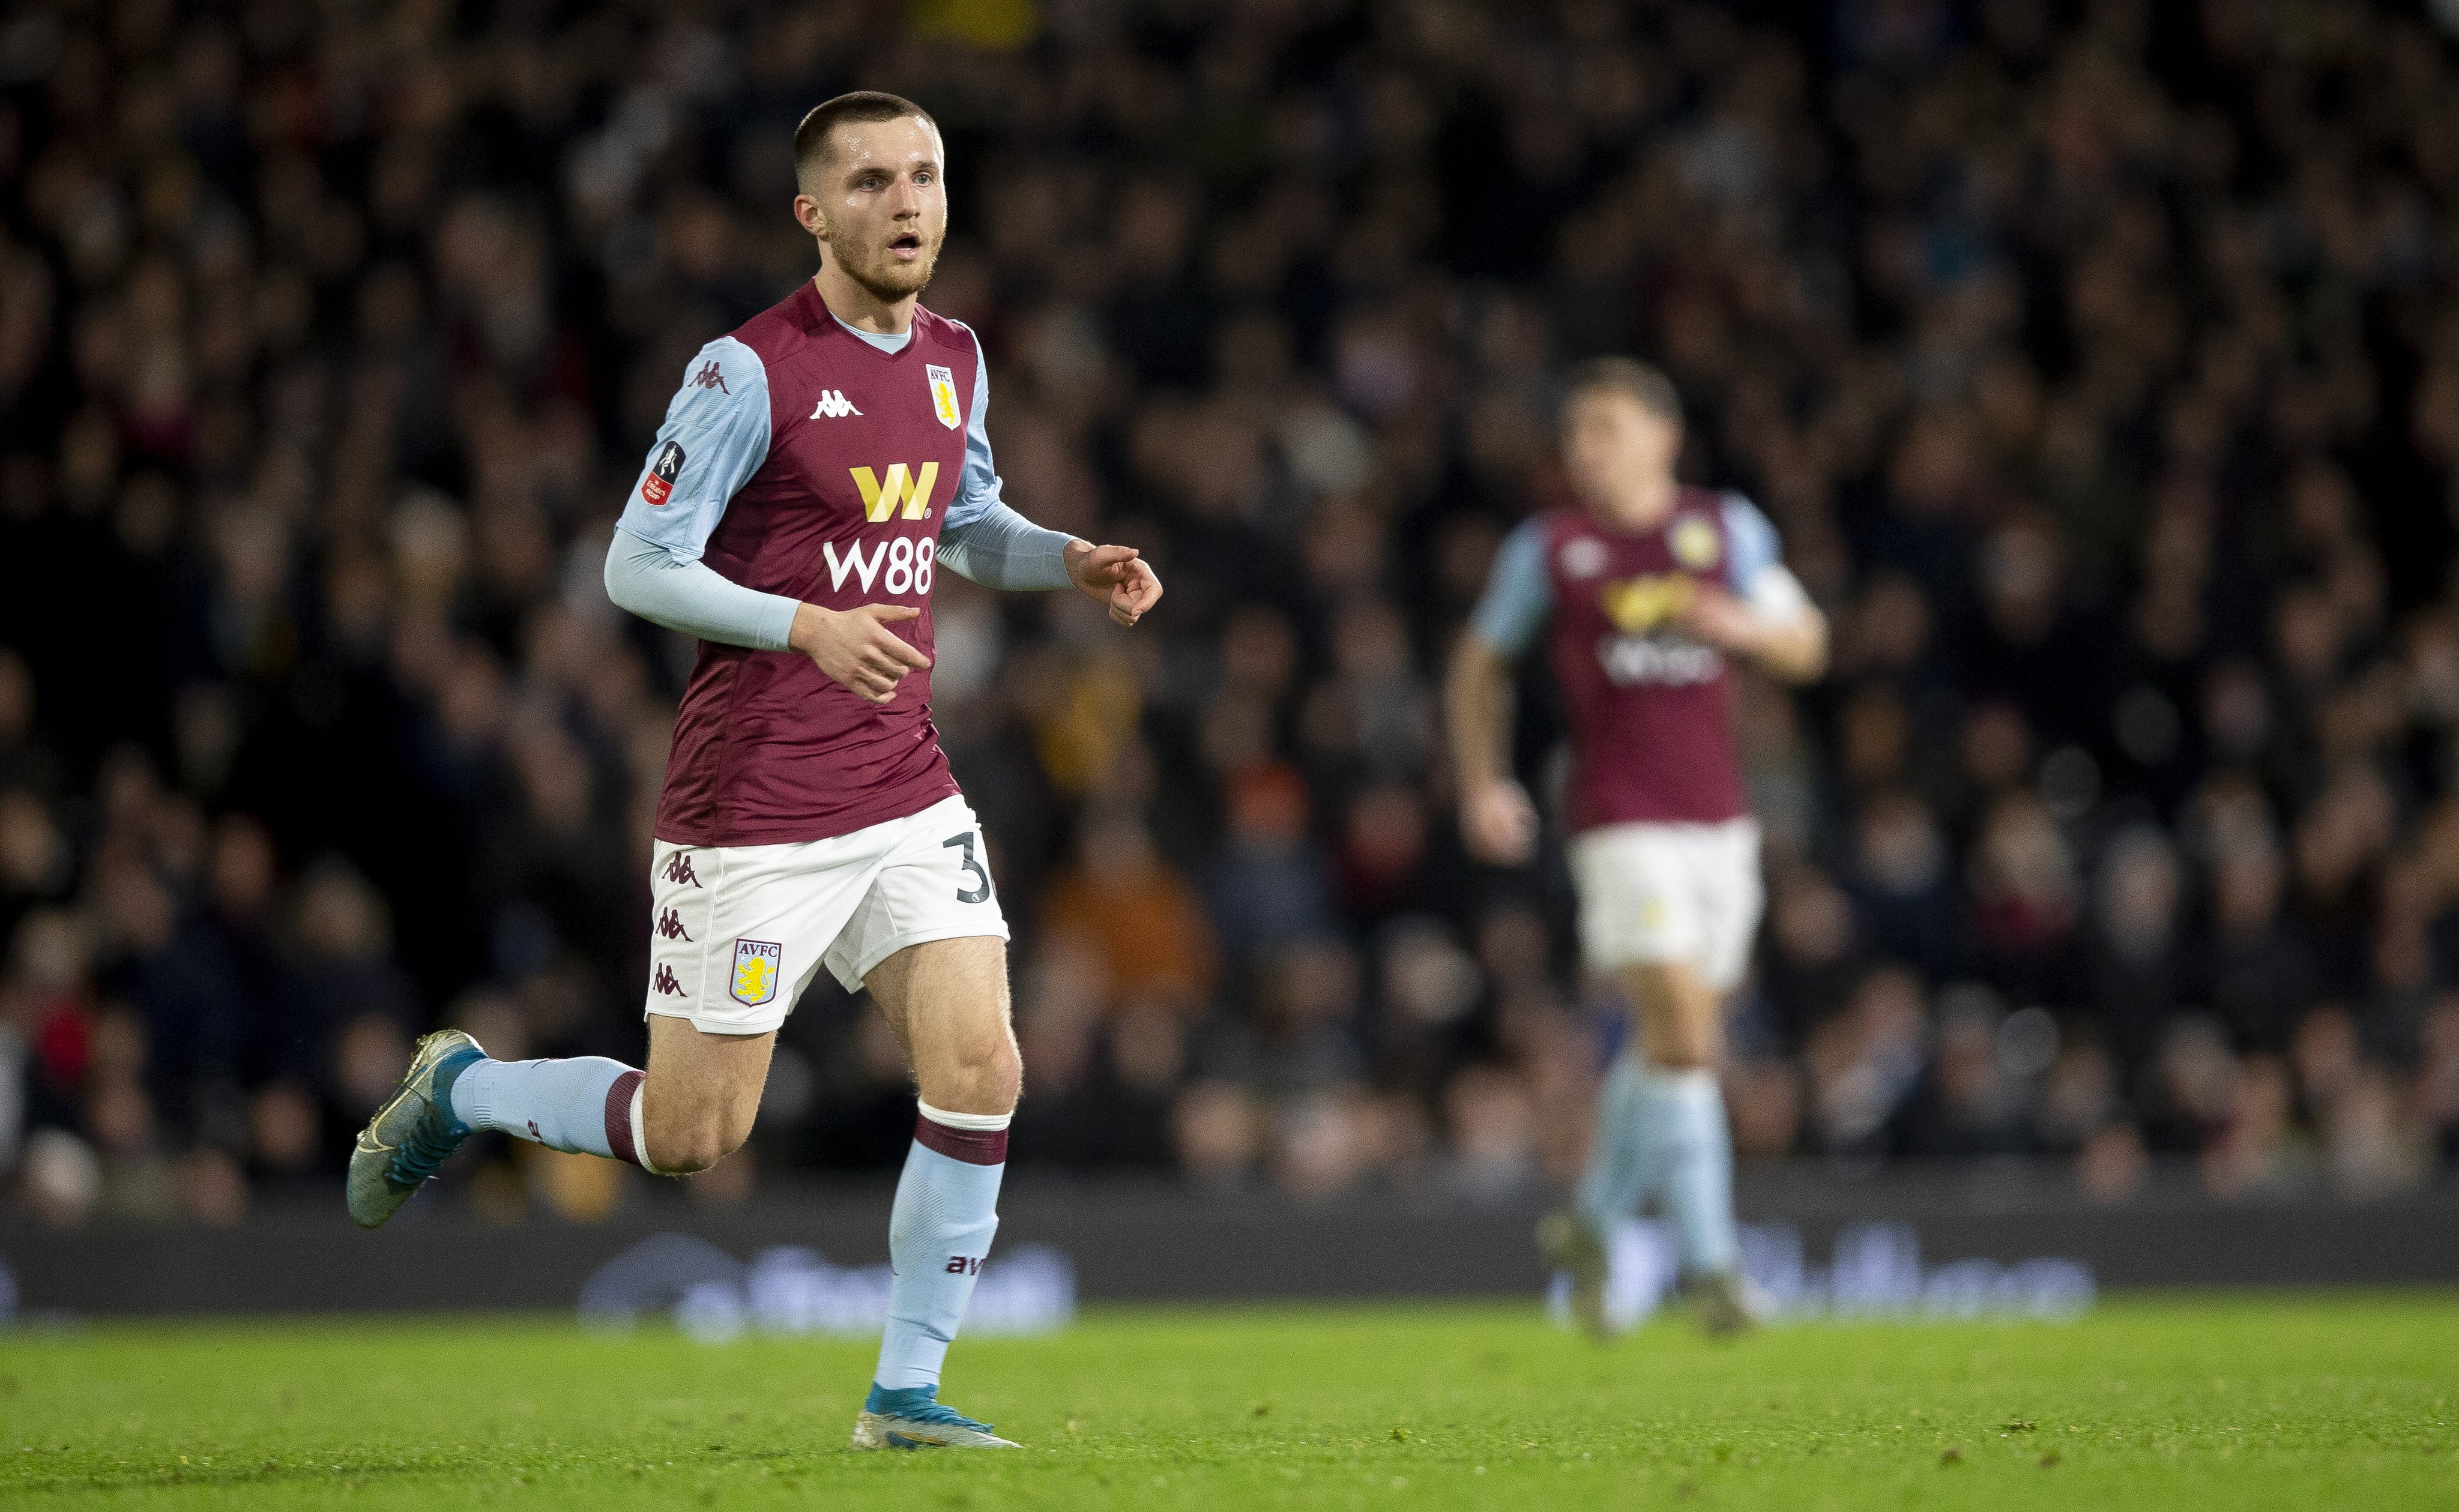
[901, 564]
[1657, 661]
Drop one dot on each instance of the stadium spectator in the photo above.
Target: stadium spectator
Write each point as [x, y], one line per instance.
[2100, 366]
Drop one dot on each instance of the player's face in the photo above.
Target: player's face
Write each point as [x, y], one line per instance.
[882, 209]
[1613, 445]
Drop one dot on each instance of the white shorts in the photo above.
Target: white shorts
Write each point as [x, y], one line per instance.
[1656, 893]
[736, 932]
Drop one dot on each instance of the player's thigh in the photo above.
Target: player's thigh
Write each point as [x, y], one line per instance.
[1637, 904]
[1677, 1012]
[1732, 896]
[945, 996]
[702, 1080]
[930, 941]
[948, 1001]
[933, 884]
[737, 931]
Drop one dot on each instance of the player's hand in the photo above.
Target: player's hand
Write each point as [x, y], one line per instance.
[1715, 617]
[1115, 577]
[856, 649]
[1499, 822]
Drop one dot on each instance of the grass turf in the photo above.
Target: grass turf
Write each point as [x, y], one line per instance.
[2159, 1401]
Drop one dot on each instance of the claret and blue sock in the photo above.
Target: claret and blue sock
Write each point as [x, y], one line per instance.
[938, 1235]
[1662, 1136]
[585, 1106]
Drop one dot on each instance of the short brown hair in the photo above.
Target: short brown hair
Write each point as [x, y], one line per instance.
[811, 138]
[1628, 375]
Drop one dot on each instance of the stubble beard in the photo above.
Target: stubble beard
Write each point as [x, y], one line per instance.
[882, 277]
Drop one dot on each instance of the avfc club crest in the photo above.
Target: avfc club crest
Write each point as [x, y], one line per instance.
[757, 966]
[943, 396]
[1694, 544]
[660, 485]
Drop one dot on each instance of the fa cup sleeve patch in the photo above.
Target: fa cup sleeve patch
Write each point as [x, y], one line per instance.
[660, 485]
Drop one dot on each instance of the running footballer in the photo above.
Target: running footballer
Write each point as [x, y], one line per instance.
[817, 470]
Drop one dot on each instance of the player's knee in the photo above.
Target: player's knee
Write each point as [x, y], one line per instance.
[986, 1077]
[685, 1146]
[1681, 1056]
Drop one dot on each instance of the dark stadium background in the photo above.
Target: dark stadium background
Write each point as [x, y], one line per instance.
[2099, 363]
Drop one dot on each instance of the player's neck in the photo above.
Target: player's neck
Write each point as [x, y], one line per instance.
[859, 307]
[1642, 506]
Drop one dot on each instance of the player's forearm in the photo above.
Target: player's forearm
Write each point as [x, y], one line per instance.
[1793, 649]
[1002, 549]
[1476, 703]
[644, 578]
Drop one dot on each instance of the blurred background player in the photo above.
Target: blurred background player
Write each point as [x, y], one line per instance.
[815, 471]
[1645, 591]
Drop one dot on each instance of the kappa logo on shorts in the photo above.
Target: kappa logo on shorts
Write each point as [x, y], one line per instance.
[678, 869]
[670, 926]
[662, 982]
[757, 966]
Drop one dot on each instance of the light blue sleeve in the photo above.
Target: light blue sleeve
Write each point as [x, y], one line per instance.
[977, 486]
[649, 580]
[1519, 594]
[999, 548]
[715, 436]
[1751, 545]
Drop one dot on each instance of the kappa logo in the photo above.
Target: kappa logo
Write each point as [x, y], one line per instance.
[834, 405]
[757, 966]
[710, 377]
[907, 489]
[678, 869]
[670, 926]
[662, 982]
[1585, 556]
[663, 469]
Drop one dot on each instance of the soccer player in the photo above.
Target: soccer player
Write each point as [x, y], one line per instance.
[1645, 592]
[817, 470]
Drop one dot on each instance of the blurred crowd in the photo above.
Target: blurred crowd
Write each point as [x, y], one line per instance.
[2099, 363]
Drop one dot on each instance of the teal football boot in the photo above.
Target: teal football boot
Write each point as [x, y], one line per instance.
[1727, 1303]
[412, 1134]
[914, 1418]
[1568, 1244]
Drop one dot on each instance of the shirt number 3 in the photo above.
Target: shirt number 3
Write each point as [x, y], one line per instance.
[980, 891]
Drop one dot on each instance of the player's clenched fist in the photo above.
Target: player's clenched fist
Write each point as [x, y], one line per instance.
[1498, 822]
[1115, 577]
[856, 647]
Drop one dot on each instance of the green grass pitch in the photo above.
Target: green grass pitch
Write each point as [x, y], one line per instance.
[2245, 1400]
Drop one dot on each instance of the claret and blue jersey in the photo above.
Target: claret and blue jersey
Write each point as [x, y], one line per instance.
[719, 432]
[808, 459]
[1649, 709]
